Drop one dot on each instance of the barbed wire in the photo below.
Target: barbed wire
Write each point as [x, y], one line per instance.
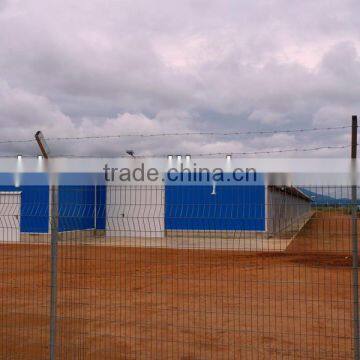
[244, 153]
[174, 134]
[262, 152]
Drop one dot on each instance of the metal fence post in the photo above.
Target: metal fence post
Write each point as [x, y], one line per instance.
[53, 295]
[354, 232]
[54, 221]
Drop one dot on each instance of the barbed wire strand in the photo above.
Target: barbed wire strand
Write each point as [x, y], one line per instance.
[200, 133]
[262, 152]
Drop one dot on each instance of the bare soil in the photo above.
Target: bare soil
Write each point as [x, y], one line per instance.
[328, 232]
[144, 303]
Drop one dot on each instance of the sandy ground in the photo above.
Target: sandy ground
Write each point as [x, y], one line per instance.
[148, 303]
[326, 231]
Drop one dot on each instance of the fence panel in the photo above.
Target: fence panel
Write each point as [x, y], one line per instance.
[148, 273]
[24, 274]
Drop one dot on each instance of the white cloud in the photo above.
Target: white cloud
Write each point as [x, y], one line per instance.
[331, 115]
[90, 68]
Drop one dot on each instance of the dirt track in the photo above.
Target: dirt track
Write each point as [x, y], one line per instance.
[132, 303]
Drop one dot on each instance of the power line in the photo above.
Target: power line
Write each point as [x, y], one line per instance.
[199, 133]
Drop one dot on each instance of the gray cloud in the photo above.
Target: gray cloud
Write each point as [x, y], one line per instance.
[103, 68]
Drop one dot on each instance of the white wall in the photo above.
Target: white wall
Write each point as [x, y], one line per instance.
[135, 211]
[285, 211]
[10, 204]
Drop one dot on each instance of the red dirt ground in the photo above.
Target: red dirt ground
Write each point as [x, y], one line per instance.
[327, 231]
[143, 303]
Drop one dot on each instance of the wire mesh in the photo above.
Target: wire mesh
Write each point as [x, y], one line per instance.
[149, 272]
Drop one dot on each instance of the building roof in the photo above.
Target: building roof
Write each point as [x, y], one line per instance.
[291, 190]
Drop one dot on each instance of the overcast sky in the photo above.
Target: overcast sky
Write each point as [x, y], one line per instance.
[77, 68]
